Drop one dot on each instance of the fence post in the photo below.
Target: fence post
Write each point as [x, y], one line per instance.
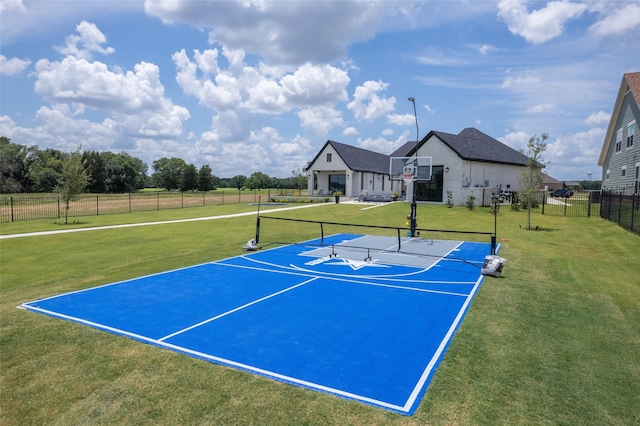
[58, 207]
[182, 200]
[98, 205]
[158, 201]
[619, 208]
[11, 208]
[129, 202]
[203, 192]
[633, 210]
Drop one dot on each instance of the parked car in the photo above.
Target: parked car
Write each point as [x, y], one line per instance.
[564, 193]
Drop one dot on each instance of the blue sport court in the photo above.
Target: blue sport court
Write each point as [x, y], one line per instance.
[351, 315]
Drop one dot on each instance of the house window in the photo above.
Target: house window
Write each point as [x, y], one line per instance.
[328, 157]
[631, 129]
[623, 171]
[608, 175]
[618, 140]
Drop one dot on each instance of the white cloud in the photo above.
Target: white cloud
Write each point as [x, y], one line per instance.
[92, 85]
[619, 22]
[292, 32]
[7, 125]
[89, 40]
[320, 120]
[545, 108]
[519, 80]
[597, 118]
[401, 119]
[540, 25]
[367, 104]
[12, 66]
[255, 89]
[350, 131]
[486, 48]
[12, 6]
[382, 144]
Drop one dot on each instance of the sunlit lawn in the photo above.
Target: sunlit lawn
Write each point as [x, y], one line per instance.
[554, 341]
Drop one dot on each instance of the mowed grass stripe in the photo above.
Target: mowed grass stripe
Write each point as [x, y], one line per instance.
[554, 341]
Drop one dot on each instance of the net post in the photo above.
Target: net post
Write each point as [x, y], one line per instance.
[399, 240]
[493, 245]
[258, 230]
[321, 233]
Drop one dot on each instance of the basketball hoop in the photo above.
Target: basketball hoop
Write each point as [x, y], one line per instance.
[407, 177]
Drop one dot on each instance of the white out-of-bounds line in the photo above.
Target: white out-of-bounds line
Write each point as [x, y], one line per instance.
[164, 222]
[235, 310]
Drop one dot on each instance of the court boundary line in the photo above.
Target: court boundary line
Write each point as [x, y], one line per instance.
[229, 312]
[343, 278]
[418, 390]
[221, 361]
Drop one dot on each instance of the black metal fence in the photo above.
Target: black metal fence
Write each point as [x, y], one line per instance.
[19, 208]
[580, 204]
[621, 209]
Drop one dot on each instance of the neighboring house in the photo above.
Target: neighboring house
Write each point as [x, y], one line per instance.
[353, 171]
[620, 155]
[551, 184]
[470, 163]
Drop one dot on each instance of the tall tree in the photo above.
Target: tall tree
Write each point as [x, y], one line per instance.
[189, 178]
[168, 172]
[205, 179]
[16, 164]
[238, 181]
[259, 180]
[94, 162]
[123, 173]
[531, 178]
[73, 181]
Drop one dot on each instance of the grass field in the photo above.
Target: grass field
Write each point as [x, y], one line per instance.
[556, 340]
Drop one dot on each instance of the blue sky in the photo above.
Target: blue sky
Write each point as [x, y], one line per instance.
[260, 85]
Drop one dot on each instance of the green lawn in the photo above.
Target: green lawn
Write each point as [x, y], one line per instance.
[556, 340]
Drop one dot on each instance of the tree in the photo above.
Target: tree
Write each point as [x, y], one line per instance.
[238, 181]
[205, 179]
[94, 162]
[300, 178]
[531, 178]
[189, 178]
[73, 181]
[259, 180]
[16, 164]
[169, 172]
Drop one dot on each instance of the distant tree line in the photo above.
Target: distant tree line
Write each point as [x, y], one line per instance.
[28, 169]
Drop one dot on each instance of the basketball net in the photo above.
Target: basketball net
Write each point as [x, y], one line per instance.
[407, 177]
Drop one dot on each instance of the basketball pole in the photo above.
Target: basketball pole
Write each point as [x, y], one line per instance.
[414, 206]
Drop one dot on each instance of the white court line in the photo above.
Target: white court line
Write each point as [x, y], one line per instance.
[224, 314]
[164, 222]
[348, 278]
[224, 361]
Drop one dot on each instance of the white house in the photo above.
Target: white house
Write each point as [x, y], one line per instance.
[351, 170]
[620, 154]
[469, 163]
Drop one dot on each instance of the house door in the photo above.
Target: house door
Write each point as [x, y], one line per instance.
[337, 183]
[432, 190]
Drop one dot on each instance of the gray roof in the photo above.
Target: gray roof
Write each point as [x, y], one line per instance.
[404, 150]
[359, 159]
[471, 144]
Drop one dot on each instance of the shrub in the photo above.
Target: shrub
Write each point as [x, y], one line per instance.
[471, 202]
